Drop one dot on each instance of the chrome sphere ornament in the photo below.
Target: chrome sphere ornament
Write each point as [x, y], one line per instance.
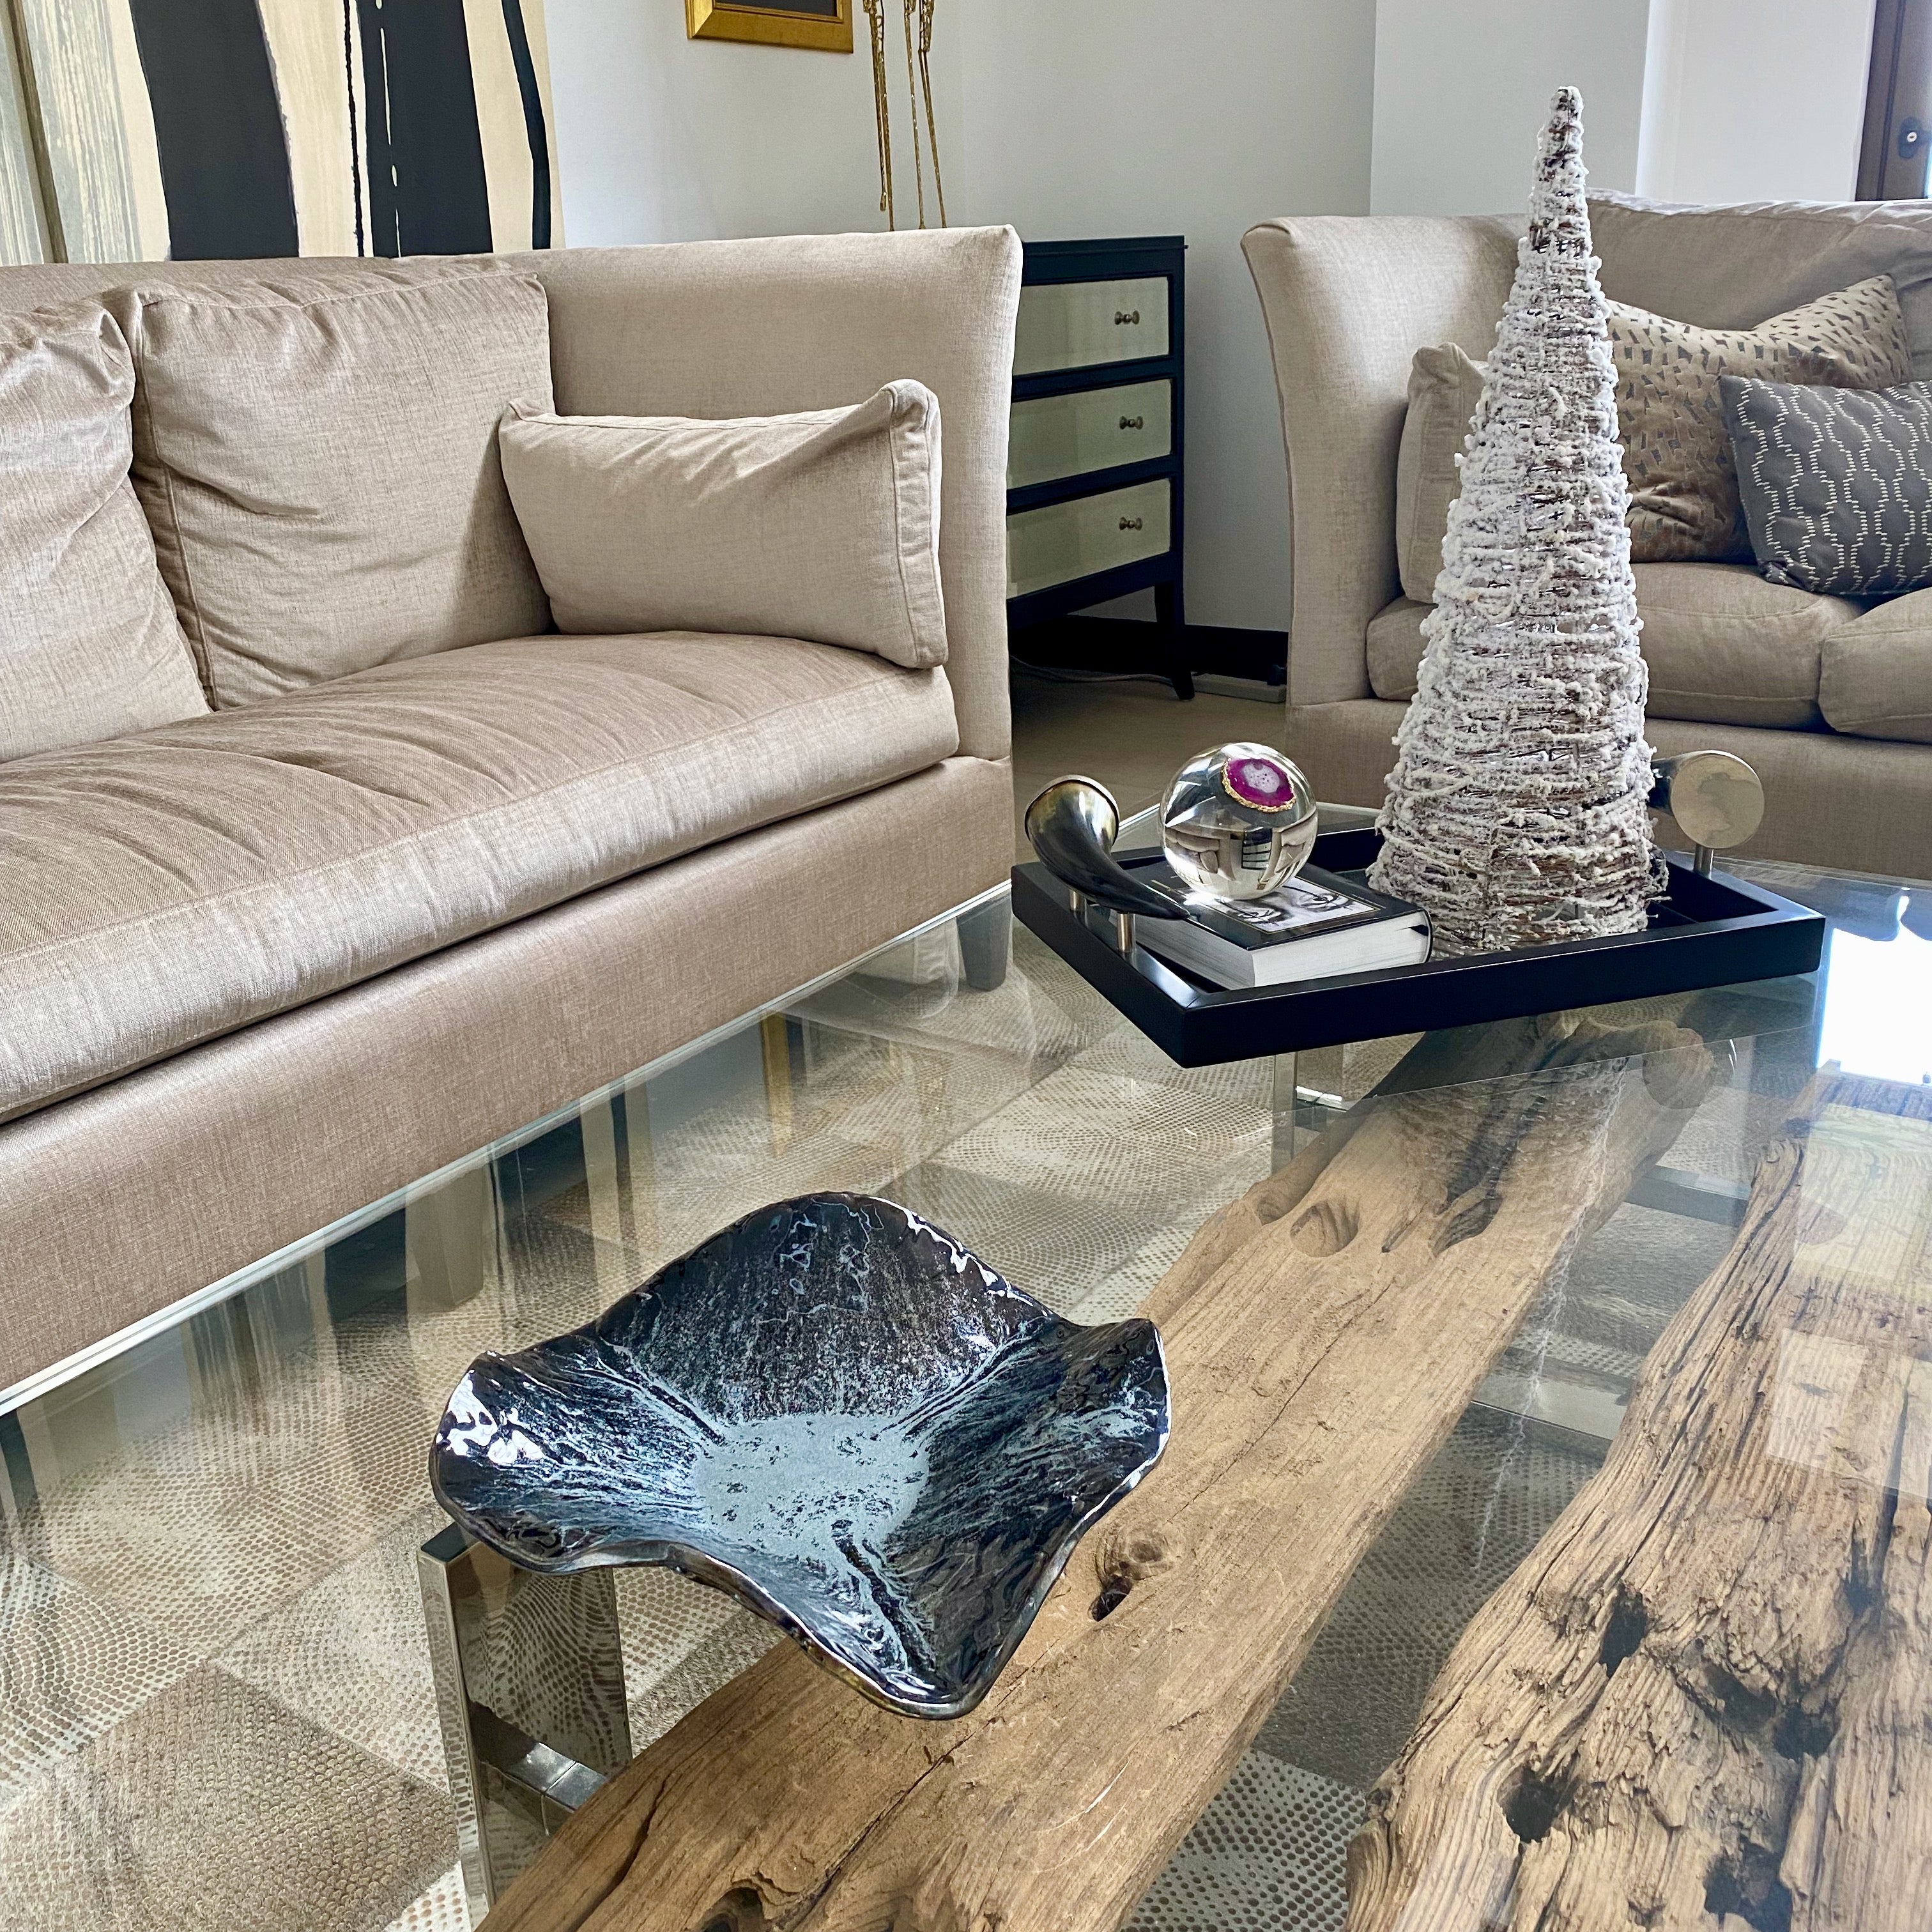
[1237, 821]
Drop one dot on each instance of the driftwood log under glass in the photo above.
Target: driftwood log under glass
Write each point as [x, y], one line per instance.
[1323, 1334]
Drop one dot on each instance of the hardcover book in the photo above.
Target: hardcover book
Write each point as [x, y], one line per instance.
[1315, 926]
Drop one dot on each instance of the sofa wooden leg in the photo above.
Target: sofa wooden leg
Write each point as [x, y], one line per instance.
[986, 943]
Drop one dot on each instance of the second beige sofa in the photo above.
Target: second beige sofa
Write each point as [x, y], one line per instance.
[1830, 699]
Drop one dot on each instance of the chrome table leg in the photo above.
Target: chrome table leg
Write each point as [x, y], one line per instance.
[529, 1692]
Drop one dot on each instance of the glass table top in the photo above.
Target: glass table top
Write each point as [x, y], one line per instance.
[216, 1705]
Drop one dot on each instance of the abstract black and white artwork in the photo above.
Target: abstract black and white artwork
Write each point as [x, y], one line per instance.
[198, 130]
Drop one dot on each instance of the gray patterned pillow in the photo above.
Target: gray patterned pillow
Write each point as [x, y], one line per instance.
[1836, 484]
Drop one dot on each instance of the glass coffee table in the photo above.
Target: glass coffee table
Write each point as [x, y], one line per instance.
[216, 1702]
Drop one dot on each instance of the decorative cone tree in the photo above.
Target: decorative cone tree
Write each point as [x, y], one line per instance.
[1515, 813]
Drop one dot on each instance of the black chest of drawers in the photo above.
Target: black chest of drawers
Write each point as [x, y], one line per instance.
[1094, 506]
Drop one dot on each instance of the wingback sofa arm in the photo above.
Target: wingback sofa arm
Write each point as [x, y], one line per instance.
[804, 322]
[1348, 299]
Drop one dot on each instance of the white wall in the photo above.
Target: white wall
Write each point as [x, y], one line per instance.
[1065, 118]
[1463, 87]
[1119, 117]
[661, 139]
[1754, 100]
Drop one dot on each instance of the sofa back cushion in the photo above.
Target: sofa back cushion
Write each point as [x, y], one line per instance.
[1445, 384]
[822, 525]
[1730, 268]
[318, 463]
[89, 647]
[1677, 449]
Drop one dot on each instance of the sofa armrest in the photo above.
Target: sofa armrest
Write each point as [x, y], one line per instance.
[806, 322]
[1348, 299]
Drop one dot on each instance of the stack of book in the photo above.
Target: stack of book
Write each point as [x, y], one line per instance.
[1317, 926]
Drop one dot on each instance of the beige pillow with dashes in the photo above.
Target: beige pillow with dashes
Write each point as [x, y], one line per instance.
[1677, 453]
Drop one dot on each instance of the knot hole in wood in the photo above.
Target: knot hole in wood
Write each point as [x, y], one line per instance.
[1126, 1559]
[740, 1911]
[1324, 1228]
[1534, 1802]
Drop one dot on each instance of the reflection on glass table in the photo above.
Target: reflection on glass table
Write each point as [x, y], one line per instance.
[218, 1705]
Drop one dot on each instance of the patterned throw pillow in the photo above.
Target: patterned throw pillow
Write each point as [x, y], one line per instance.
[1836, 483]
[1677, 455]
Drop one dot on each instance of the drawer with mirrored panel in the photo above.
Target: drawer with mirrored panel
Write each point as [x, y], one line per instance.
[1079, 325]
[1086, 430]
[1059, 543]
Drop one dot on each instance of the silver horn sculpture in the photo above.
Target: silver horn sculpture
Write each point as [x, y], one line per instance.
[1072, 825]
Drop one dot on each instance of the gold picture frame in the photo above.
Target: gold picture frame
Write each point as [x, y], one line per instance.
[824, 24]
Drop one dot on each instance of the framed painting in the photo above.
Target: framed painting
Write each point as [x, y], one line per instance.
[824, 24]
[200, 129]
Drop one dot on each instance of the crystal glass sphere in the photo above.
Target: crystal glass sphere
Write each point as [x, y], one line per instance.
[1238, 820]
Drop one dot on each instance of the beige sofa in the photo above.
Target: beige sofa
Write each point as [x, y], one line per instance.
[260, 968]
[1830, 699]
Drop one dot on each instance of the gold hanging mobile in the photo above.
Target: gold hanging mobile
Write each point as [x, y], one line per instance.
[925, 81]
[912, 107]
[875, 18]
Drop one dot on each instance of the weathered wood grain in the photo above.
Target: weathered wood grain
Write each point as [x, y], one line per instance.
[1322, 1336]
[1705, 1699]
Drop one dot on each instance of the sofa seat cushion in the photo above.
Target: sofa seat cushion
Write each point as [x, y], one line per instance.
[168, 887]
[1723, 647]
[1875, 678]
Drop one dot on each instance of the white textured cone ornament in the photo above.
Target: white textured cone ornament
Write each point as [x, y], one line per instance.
[1515, 813]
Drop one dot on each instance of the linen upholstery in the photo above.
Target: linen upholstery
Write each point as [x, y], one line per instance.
[1730, 267]
[166, 888]
[822, 524]
[1875, 675]
[1445, 384]
[318, 463]
[1720, 644]
[1825, 795]
[1347, 299]
[1836, 484]
[142, 1191]
[713, 328]
[1677, 449]
[89, 647]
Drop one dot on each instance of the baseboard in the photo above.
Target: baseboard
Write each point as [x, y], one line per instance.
[1219, 655]
[1217, 686]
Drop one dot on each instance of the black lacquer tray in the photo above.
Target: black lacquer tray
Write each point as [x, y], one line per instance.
[1713, 930]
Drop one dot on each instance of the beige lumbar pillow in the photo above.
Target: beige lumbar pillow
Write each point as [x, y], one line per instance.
[319, 466]
[89, 647]
[1677, 452]
[823, 525]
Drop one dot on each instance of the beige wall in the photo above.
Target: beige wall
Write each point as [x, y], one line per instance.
[1463, 86]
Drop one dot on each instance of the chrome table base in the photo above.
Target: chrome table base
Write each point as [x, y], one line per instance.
[1298, 1110]
[529, 1693]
